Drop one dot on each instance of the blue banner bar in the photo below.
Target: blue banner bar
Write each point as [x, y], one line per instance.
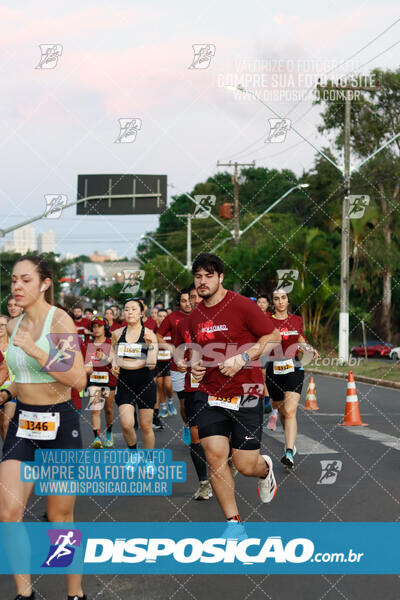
[200, 548]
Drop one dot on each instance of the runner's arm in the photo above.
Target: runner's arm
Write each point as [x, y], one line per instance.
[75, 375]
[152, 348]
[264, 345]
[3, 370]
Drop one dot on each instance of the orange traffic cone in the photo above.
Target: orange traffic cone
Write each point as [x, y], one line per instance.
[311, 398]
[352, 414]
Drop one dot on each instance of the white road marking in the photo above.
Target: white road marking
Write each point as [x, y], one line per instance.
[304, 444]
[376, 436]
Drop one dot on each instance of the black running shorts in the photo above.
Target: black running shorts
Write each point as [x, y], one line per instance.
[279, 384]
[136, 387]
[243, 426]
[68, 434]
[162, 368]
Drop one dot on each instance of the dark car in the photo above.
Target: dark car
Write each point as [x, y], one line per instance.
[374, 349]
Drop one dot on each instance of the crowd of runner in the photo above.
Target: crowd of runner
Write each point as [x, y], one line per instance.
[230, 364]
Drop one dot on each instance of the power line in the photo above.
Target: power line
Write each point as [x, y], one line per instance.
[239, 153]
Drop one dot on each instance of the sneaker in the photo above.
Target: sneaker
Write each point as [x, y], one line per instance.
[163, 410]
[267, 487]
[171, 408]
[77, 597]
[234, 531]
[157, 423]
[287, 459]
[21, 597]
[204, 492]
[294, 450]
[232, 467]
[97, 442]
[109, 443]
[186, 435]
[272, 422]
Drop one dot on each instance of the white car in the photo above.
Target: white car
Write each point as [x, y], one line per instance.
[394, 354]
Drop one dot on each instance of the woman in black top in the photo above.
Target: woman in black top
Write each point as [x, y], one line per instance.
[135, 350]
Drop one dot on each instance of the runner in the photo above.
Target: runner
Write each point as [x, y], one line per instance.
[43, 398]
[82, 324]
[263, 302]
[115, 311]
[197, 455]
[163, 376]
[169, 327]
[88, 314]
[285, 373]
[153, 313]
[148, 322]
[112, 323]
[228, 404]
[12, 307]
[7, 410]
[101, 381]
[134, 358]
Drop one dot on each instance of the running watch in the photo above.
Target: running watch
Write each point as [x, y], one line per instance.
[245, 357]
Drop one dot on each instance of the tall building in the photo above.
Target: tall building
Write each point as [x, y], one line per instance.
[47, 241]
[24, 239]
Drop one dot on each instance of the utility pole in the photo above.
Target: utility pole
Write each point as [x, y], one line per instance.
[343, 350]
[188, 240]
[235, 165]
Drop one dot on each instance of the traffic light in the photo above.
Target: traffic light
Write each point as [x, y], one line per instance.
[225, 210]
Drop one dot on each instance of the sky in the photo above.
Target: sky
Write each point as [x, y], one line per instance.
[132, 60]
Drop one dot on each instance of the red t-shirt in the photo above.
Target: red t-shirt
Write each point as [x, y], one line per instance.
[183, 337]
[100, 364]
[229, 328]
[169, 327]
[80, 326]
[115, 326]
[150, 324]
[290, 329]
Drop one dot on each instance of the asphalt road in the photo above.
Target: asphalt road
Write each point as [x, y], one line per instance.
[367, 488]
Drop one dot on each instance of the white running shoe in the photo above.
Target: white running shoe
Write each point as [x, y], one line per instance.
[267, 487]
[204, 492]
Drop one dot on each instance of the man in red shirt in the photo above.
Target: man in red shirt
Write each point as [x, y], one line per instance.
[82, 325]
[229, 333]
[169, 327]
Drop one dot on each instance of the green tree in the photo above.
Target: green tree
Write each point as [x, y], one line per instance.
[375, 120]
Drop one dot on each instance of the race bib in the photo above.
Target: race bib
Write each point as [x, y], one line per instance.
[230, 403]
[99, 377]
[194, 383]
[129, 350]
[282, 367]
[38, 426]
[164, 355]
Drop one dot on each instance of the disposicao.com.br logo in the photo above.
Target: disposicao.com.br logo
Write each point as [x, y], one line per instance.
[192, 550]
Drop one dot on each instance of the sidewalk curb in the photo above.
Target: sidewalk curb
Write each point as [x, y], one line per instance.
[361, 378]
